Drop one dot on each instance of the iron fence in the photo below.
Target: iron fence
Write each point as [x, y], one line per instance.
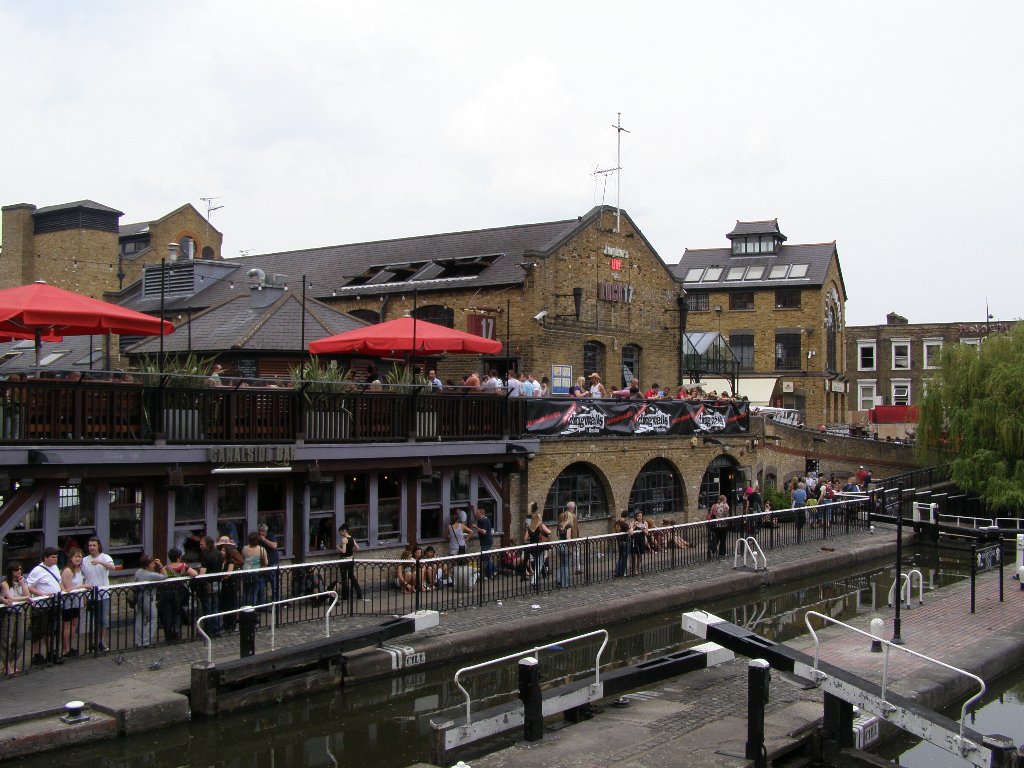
[124, 617]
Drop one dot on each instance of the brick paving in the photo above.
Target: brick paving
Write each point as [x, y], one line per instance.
[943, 628]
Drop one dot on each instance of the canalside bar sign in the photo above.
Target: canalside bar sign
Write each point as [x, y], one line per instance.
[635, 417]
[251, 454]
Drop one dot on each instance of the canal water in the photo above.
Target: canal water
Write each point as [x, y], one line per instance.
[386, 723]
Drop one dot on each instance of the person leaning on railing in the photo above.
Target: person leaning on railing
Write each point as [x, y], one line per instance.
[144, 600]
[14, 593]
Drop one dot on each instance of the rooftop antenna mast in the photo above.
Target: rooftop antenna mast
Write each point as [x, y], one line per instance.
[210, 208]
[619, 130]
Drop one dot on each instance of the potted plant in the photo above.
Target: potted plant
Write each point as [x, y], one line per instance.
[323, 386]
[178, 377]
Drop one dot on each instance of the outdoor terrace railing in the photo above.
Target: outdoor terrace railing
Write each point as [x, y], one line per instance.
[184, 410]
[156, 613]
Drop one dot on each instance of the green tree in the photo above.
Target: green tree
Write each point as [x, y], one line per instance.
[973, 417]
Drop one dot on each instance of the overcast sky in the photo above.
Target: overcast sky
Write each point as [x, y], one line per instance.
[892, 128]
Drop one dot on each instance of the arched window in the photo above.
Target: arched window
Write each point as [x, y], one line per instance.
[580, 483]
[631, 363]
[366, 314]
[436, 313]
[207, 252]
[830, 339]
[593, 359]
[187, 248]
[657, 491]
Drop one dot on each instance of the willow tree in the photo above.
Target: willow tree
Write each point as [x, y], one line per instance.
[973, 417]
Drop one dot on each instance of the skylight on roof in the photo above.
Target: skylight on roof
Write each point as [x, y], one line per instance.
[798, 270]
[778, 271]
[735, 273]
[754, 273]
[693, 275]
[713, 275]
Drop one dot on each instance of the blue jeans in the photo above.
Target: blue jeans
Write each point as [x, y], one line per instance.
[564, 558]
[623, 561]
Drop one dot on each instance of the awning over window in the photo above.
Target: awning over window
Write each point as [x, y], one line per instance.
[757, 391]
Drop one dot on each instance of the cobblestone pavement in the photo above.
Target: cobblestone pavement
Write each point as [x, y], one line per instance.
[49, 687]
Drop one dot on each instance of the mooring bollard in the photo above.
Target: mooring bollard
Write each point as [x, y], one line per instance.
[758, 677]
[247, 633]
[877, 627]
[533, 700]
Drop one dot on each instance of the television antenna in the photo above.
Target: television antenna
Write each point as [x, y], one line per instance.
[210, 208]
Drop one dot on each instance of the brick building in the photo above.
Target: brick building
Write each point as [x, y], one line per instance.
[82, 247]
[889, 364]
[566, 298]
[781, 308]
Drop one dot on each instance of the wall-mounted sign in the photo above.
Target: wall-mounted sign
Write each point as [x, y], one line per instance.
[251, 454]
[615, 292]
[561, 379]
[482, 325]
[619, 253]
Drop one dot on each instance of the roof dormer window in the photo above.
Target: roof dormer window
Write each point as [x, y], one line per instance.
[754, 244]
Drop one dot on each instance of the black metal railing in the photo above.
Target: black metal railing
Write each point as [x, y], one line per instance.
[128, 616]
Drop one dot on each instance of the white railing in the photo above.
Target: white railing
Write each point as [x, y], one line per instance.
[907, 588]
[887, 645]
[529, 652]
[273, 618]
[749, 546]
[972, 522]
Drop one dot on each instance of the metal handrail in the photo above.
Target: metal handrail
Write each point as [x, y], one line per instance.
[749, 544]
[976, 522]
[521, 654]
[908, 587]
[273, 618]
[885, 668]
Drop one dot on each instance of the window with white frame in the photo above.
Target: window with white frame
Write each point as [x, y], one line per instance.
[901, 354]
[866, 350]
[901, 392]
[976, 343]
[932, 353]
[866, 393]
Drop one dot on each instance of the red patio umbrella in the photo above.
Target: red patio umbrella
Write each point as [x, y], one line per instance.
[42, 311]
[404, 334]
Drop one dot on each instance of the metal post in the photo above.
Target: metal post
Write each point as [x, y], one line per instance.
[758, 678]
[974, 570]
[247, 633]
[999, 554]
[896, 622]
[837, 724]
[533, 701]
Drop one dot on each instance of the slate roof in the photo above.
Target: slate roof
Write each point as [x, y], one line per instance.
[816, 256]
[92, 204]
[330, 269]
[72, 354]
[768, 227]
[129, 230]
[235, 324]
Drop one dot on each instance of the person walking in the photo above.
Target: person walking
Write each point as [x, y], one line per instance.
[798, 500]
[622, 527]
[485, 532]
[565, 531]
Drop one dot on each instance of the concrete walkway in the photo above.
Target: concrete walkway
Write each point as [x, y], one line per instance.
[537, 617]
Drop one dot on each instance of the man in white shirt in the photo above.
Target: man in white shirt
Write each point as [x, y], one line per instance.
[513, 385]
[435, 383]
[44, 581]
[534, 383]
[96, 568]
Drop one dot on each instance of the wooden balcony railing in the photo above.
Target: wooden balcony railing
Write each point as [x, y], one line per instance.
[59, 411]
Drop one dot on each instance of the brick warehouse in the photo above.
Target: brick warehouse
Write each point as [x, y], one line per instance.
[565, 298]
